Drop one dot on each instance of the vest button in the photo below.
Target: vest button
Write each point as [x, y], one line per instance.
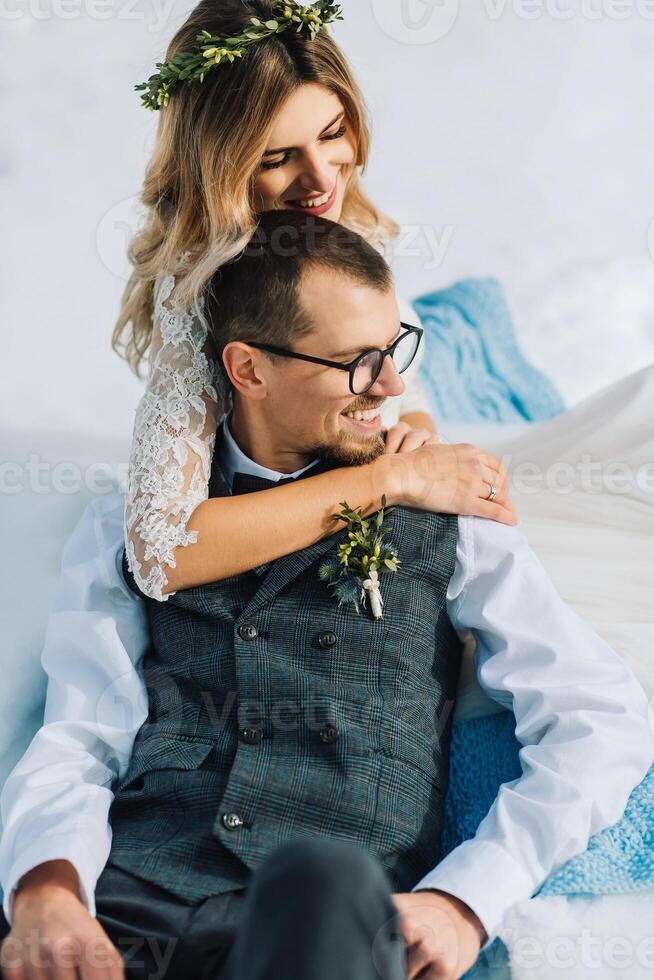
[252, 736]
[232, 821]
[248, 632]
[329, 733]
[327, 639]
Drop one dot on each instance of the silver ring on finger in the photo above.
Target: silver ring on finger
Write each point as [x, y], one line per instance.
[493, 492]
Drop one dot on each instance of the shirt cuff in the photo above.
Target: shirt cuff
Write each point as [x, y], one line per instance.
[55, 848]
[484, 876]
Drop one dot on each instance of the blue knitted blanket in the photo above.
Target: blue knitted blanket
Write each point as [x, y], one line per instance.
[484, 754]
[473, 368]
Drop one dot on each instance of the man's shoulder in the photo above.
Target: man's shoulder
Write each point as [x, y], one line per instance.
[487, 543]
[425, 521]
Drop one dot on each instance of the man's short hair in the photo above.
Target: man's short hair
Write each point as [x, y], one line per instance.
[256, 296]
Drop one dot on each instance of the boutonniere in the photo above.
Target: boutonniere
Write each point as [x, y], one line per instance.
[353, 572]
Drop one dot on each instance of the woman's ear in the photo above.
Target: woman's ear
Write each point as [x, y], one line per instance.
[245, 369]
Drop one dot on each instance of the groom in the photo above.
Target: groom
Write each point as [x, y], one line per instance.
[295, 746]
[282, 811]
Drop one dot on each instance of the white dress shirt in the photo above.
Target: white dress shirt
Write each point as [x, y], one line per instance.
[582, 717]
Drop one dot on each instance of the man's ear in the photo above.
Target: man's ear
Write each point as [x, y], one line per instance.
[245, 368]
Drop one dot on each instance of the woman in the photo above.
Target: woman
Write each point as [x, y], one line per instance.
[282, 126]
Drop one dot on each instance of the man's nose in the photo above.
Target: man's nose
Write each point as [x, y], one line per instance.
[389, 381]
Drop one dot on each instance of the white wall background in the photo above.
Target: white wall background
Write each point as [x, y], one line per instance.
[519, 135]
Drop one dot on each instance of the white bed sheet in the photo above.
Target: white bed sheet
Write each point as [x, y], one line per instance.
[594, 535]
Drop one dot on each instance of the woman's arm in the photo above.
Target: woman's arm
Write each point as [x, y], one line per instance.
[418, 420]
[237, 533]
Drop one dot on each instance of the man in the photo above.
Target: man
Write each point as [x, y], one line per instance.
[280, 815]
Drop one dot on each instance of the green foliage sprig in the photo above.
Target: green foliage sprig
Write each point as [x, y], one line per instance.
[192, 66]
[362, 553]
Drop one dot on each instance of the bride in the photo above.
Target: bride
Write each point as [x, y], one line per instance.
[282, 127]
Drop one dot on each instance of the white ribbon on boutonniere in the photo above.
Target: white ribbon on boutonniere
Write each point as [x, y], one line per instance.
[371, 586]
[353, 571]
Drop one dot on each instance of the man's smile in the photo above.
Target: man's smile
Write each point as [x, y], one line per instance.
[364, 418]
[364, 421]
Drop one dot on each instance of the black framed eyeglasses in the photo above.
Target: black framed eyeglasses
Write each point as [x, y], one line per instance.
[366, 367]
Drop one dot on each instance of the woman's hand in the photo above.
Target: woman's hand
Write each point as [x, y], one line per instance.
[401, 438]
[449, 479]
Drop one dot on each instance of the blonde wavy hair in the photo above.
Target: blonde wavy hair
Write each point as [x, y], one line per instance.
[197, 191]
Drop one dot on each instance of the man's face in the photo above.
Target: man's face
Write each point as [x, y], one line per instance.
[307, 404]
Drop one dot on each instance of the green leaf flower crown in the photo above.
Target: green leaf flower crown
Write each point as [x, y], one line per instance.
[192, 66]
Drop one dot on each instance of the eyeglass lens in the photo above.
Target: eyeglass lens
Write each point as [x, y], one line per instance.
[369, 367]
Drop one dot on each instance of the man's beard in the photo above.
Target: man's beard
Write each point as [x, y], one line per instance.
[349, 451]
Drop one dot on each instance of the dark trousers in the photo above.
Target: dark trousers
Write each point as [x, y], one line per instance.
[314, 910]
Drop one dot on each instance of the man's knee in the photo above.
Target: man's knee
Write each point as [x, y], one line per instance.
[330, 866]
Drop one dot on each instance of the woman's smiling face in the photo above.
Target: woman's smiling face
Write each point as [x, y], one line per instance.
[310, 155]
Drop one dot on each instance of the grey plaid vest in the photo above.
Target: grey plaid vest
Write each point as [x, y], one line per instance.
[275, 714]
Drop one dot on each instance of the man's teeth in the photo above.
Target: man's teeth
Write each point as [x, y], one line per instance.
[316, 202]
[363, 416]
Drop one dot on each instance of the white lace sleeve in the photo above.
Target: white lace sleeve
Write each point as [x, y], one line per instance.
[173, 441]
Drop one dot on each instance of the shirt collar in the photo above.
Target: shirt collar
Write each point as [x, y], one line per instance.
[233, 459]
